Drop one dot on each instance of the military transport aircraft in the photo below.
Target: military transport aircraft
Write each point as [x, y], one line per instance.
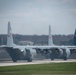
[28, 52]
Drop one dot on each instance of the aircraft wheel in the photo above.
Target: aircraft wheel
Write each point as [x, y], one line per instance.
[52, 56]
[14, 60]
[64, 58]
[29, 59]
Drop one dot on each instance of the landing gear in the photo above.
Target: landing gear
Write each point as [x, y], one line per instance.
[29, 59]
[28, 56]
[52, 57]
[14, 60]
[65, 58]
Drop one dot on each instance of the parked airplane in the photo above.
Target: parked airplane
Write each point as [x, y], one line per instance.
[72, 49]
[29, 52]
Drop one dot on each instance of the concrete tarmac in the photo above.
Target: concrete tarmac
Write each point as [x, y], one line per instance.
[22, 62]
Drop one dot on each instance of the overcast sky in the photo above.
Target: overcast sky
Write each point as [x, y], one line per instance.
[35, 16]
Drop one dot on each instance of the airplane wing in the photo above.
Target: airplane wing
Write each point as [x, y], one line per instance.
[3, 46]
[72, 49]
[62, 52]
[50, 47]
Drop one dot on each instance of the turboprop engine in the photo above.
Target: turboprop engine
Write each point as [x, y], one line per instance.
[60, 53]
[56, 53]
[30, 54]
[66, 53]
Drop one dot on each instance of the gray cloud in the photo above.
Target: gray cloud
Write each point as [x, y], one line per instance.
[34, 16]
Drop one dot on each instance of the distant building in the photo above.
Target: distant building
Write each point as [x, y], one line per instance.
[25, 43]
[75, 37]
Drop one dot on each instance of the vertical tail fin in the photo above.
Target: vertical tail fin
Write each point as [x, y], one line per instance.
[9, 36]
[50, 40]
[75, 38]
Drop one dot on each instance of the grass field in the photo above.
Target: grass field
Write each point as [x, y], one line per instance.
[40, 69]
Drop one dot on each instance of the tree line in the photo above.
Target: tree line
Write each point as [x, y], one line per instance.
[39, 39]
